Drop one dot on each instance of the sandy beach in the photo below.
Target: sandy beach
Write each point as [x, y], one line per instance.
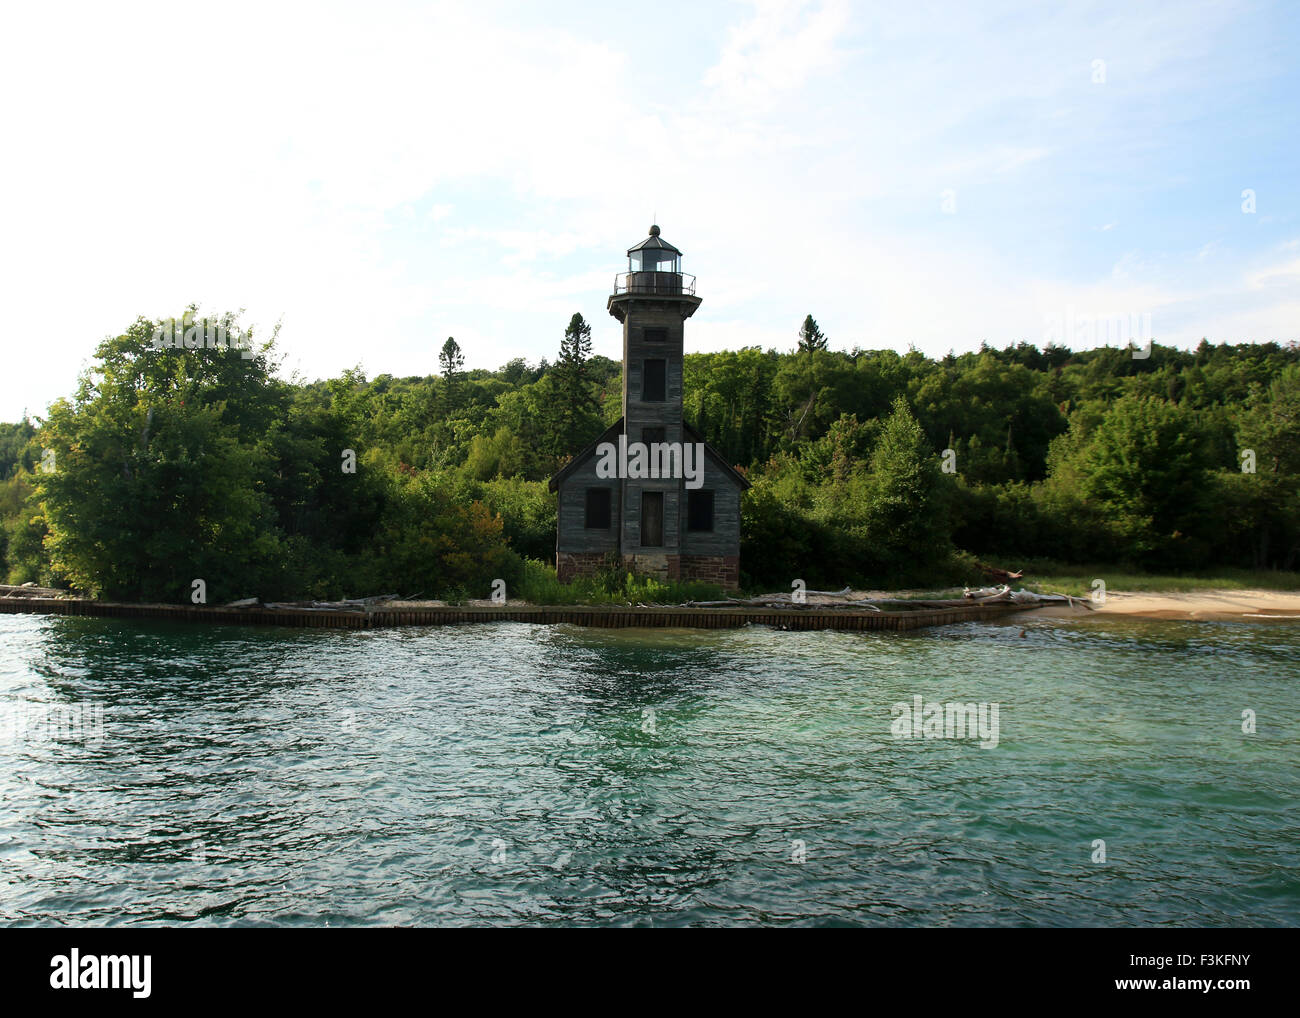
[1214, 605]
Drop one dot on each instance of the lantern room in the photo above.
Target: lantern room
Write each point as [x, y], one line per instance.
[654, 254]
[654, 267]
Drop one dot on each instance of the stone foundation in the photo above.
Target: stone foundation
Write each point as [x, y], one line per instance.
[571, 564]
[724, 570]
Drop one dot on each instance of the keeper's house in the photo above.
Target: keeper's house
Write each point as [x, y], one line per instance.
[650, 489]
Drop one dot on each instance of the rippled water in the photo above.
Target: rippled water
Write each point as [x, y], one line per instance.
[526, 774]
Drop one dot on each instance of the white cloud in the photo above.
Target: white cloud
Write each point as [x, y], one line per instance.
[777, 49]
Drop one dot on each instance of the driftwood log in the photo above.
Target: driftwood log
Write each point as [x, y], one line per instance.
[31, 590]
[1003, 596]
[352, 604]
[994, 573]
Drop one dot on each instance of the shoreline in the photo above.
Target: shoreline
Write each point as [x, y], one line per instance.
[601, 616]
[1211, 605]
[1200, 605]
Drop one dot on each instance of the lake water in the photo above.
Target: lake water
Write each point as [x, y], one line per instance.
[517, 774]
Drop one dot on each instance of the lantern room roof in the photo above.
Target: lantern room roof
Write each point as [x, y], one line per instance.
[653, 242]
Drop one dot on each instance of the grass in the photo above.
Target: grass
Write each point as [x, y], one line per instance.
[540, 585]
[1077, 580]
[616, 586]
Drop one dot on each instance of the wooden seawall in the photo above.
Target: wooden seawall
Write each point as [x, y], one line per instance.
[579, 615]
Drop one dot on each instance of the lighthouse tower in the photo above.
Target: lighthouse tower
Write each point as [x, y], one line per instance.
[652, 300]
[655, 524]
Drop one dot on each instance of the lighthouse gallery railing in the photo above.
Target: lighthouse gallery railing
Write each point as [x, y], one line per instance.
[665, 283]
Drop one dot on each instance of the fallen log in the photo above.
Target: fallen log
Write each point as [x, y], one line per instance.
[989, 596]
[30, 589]
[993, 572]
[353, 603]
[984, 591]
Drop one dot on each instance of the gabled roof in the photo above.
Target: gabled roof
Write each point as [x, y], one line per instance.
[740, 478]
[611, 434]
[655, 242]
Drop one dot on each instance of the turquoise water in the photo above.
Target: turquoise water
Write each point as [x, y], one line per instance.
[515, 774]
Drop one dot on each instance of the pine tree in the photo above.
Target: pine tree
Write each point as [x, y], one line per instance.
[451, 363]
[811, 340]
[811, 337]
[575, 349]
[577, 416]
[905, 515]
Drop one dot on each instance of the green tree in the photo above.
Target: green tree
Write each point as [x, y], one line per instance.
[1144, 468]
[811, 342]
[729, 397]
[1271, 424]
[578, 413]
[1270, 433]
[451, 364]
[906, 519]
[432, 541]
[158, 477]
[17, 450]
[575, 349]
[811, 338]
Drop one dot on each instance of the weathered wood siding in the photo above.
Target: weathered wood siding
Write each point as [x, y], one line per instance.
[572, 534]
[724, 539]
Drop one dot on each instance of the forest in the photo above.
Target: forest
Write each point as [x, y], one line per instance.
[869, 467]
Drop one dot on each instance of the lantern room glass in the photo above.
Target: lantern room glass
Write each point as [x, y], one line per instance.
[654, 260]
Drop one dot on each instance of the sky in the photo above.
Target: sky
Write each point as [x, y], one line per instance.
[376, 177]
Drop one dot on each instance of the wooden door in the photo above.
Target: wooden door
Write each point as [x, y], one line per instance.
[652, 519]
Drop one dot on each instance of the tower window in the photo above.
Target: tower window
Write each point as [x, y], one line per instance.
[699, 510]
[654, 385]
[656, 335]
[597, 517]
[652, 519]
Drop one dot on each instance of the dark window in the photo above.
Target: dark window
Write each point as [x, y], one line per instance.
[652, 519]
[654, 385]
[653, 436]
[699, 510]
[656, 335]
[597, 509]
